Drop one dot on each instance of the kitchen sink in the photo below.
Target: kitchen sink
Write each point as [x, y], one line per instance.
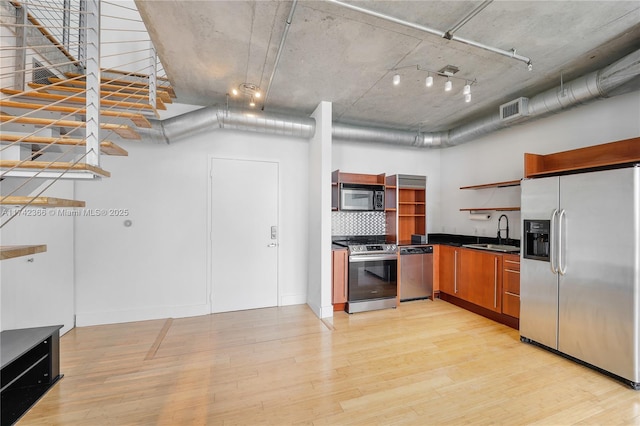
[494, 247]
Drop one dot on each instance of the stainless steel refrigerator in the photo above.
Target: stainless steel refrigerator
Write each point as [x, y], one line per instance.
[580, 286]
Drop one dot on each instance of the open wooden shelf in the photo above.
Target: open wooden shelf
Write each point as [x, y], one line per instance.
[496, 209]
[9, 252]
[40, 202]
[598, 157]
[494, 185]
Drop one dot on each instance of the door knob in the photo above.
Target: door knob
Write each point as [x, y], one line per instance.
[272, 245]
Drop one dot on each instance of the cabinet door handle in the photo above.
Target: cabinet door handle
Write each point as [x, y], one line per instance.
[495, 282]
[346, 274]
[455, 271]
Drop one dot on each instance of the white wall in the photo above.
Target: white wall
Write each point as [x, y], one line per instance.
[319, 209]
[353, 157]
[158, 267]
[39, 292]
[500, 157]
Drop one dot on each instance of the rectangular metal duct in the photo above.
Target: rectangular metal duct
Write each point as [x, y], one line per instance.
[514, 109]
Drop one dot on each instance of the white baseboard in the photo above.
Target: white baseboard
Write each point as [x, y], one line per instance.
[293, 299]
[321, 311]
[84, 319]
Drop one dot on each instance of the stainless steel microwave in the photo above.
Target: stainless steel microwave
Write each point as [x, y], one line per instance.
[361, 197]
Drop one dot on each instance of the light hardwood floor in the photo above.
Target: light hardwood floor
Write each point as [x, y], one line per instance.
[423, 363]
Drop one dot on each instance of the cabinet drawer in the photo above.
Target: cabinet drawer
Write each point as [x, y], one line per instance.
[511, 281]
[511, 304]
[511, 262]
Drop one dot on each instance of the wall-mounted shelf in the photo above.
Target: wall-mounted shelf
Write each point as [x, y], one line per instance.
[491, 209]
[505, 184]
[494, 185]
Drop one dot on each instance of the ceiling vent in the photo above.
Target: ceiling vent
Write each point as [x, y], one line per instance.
[514, 109]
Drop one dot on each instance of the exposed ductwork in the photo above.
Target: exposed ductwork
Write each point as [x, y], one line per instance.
[595, 85]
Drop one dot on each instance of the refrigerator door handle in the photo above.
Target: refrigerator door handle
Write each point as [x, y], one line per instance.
[562, 268]
[552, 242]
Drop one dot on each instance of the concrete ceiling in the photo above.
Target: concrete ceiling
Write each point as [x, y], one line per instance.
[347, 57]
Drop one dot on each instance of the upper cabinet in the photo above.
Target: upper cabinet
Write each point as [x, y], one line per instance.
[338, 178]
[504, 184]
[605, 156]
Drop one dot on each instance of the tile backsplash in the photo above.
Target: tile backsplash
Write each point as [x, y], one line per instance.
[358, 223]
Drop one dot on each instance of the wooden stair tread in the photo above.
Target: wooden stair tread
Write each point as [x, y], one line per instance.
[131, 83]
[109, 87]
[42, 165]
[106, 147]
[103, 94]
[41, 202]
[9, 252]
[79, 100]
[137, 119]
[122, 130]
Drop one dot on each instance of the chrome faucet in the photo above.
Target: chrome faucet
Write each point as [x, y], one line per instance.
[507, 229]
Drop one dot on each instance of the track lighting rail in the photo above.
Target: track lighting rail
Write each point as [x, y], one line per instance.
[448, 35]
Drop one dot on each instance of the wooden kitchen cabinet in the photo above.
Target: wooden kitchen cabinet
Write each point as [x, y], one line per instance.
[511, 285]
[339, 278]
[480, 278]
[475, 280]
[448, 269]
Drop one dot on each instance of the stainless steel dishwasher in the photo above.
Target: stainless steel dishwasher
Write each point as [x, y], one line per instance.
[416, 272]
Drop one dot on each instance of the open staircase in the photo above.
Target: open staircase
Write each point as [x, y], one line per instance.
[42, 135]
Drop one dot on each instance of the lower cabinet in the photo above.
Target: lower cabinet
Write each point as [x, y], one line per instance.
[476, 280]
[480, 277]
[339, 278]
[448, 269]
[511, 285]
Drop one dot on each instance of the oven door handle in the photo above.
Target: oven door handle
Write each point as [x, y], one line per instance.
[372, 258]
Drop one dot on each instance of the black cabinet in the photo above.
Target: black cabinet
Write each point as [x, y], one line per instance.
[30, 361]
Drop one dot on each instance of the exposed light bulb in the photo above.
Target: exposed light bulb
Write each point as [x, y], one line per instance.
[252, 103]
[429, 81]
[235, 92]
[529, 66]
[258, 94]
[396, 79]
[467, 97]
[467, 89]
[448, 85]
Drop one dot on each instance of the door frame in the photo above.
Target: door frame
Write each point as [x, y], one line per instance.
[209, 262]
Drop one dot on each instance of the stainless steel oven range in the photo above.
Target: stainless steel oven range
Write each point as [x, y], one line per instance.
[373, 277]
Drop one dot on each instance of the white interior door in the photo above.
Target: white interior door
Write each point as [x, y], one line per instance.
[244, 234]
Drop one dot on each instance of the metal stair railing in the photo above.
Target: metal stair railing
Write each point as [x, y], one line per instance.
[72, 40]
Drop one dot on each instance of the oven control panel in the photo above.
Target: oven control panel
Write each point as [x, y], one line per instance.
[373, 248]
